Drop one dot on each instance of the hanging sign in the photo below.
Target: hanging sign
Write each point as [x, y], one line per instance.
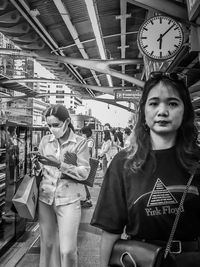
[127, 95]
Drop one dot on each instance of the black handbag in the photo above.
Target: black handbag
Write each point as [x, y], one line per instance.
[71, 158]
[133, 253]
[94, 163]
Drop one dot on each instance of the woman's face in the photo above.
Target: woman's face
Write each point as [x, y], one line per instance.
[57, 127]
[164, 110]
[52, 121]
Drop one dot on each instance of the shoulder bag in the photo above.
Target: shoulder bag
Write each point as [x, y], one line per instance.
[135, 253]
[71, 158]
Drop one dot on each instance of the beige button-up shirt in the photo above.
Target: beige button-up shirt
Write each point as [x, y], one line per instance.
[64, 191]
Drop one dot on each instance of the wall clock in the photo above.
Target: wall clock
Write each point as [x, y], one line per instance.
[160, 38]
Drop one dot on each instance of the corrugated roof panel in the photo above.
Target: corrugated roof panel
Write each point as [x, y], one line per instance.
[49, 13]
[77, 9]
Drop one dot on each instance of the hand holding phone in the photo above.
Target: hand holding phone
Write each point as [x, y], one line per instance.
[48, 161]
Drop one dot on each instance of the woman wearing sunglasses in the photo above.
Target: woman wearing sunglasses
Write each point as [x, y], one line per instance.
[61, 154]
[144, 183]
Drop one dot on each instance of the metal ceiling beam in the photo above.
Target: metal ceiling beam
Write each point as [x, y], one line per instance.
[10, 17]
[67, 20]
[48, 64]
[111, 102]
[123, 16]
[99, 66]
[163, 6]
[16, 87]
[95, 22]
[108, 101]
[37, 95]
[21, 28]
[47, 39]
[93, 39]
[177, 59]
[102, 66]
[43, 33]
[26, 38]
[102, 89]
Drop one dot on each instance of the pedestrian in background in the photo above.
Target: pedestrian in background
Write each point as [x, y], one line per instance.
[107, 126]
[115, 144]
[143, 186]
[105, 148]
[59, 199]
[120, 137]
[86, 131]
[127, 136]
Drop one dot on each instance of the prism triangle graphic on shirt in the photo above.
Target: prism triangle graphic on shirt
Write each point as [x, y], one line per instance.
[160, 195]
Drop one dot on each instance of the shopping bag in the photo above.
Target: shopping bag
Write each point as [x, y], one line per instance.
[25, 198]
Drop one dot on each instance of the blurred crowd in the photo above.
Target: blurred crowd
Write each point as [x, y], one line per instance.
[114, 139]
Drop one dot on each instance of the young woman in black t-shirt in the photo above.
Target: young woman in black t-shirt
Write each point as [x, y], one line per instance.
[144, 183]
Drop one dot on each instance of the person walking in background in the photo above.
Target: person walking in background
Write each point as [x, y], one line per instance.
[115, 144]
[144, 184]
[127, 136]
[105, 148]
[107, 126]
[59, 199]
[120, 137]
[87, 133]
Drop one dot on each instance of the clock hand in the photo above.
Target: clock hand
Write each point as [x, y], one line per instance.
[160, 41]
[161, 35]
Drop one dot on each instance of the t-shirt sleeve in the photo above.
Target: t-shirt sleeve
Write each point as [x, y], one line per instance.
[90, 143]
[111, 210]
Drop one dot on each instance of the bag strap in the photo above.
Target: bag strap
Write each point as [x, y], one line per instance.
[126, 253]
[180, 208]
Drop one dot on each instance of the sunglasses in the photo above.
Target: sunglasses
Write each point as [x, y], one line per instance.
[173, 76]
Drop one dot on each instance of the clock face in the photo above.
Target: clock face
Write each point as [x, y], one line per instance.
[160, 38]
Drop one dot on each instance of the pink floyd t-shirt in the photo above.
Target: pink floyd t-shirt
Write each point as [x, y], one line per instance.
[145, 203]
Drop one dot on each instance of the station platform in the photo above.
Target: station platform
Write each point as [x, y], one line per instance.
[26, 250]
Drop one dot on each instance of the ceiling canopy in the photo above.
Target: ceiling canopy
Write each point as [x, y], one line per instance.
[92, 45]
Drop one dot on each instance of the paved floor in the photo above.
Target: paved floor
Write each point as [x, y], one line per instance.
[26, 251]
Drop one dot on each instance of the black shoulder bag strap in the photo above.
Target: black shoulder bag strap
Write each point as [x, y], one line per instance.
[180, 208]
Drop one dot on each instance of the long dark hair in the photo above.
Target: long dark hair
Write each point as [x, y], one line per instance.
[60, 112]
[186, 140]
[107, 135]
[87, 131]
